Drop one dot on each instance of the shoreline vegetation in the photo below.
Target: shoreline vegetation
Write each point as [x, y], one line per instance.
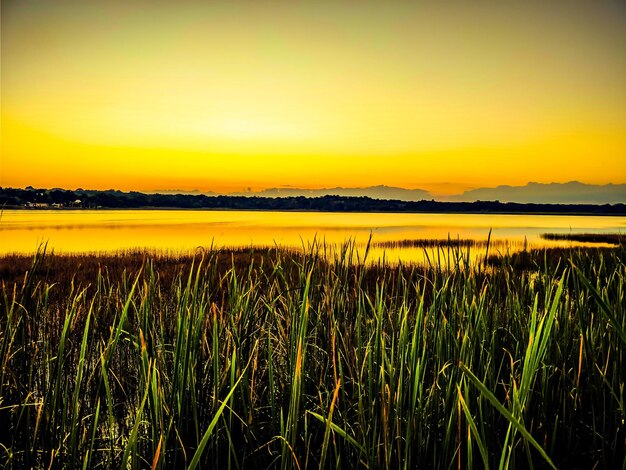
[591, 238]
[32, 198]
[610, 238]
[280, 358]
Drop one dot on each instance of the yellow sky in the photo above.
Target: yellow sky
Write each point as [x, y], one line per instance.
[186, 95]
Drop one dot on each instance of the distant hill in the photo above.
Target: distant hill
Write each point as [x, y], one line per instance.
[573, 192]
[375, 192]
[180, 191]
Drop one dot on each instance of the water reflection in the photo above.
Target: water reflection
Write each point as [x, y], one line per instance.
[179, 230]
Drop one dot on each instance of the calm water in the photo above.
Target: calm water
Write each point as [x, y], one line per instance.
[179, 230]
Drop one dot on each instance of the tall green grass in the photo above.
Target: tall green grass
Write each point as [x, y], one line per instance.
[305, 360]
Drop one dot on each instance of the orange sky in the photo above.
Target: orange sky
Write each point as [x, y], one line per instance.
[209, 96]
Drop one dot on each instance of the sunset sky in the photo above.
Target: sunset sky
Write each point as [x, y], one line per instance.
[201, 95]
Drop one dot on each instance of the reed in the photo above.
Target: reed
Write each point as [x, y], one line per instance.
[314, 359]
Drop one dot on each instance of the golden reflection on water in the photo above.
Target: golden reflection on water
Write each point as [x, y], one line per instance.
[180, 230]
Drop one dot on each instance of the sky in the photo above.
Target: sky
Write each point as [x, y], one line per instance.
[442, 96]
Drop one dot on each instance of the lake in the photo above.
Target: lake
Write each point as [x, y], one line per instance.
[68, 231]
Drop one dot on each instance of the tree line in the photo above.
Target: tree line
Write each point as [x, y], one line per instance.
[115, 199]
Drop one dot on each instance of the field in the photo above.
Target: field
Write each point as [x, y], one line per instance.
[287, 359]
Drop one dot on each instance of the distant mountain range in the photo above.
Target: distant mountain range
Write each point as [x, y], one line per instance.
[375, 192]
[573, 192]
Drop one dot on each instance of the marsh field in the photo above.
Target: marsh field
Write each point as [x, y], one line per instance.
[277, 357]
[311, 340]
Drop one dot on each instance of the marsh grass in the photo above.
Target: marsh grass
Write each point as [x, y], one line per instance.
[609, 238]
[284, 359]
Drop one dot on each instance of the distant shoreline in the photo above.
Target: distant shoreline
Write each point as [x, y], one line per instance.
[210, 209]
[59, 199]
